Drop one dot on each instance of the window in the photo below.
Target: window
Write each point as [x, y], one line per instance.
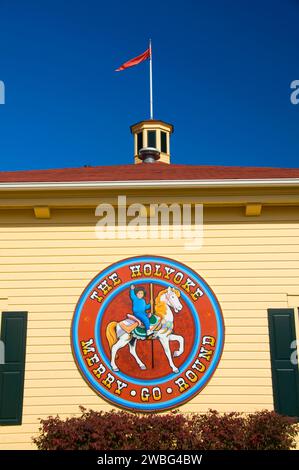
[163, 142]
[139, 141]
[151, 139]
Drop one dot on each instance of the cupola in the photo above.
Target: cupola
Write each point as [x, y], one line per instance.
[151, 141]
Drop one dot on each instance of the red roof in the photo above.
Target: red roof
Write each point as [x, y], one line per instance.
[147, 171]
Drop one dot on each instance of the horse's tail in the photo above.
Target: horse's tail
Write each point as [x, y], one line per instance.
[111, 333]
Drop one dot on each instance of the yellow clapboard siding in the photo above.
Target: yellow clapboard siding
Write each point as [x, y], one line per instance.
[92, 242]
[33, 418]
[174, 239]
[33, 341]
[278, 283]
[245, 338]
[235, 371]
[60, 404]
[39, 324]
[72, 297]
[53, 357]
[210, 272]
[84, 392]
[52, 366]
[190, 407]
[243, 254]
[18, 446]
[50, 332]
[40, 383]
[228, 284]
[239, 372]
[33, 375]
[24, 429]
[221, 380]
[17, 438]
[48, 349]
[242, 346]
[232, 308]
[214, 400]
[46, 288]
[250, 264]
[236, 362]
[210, 269]
[224, 407]
[204, 253]
[256, 372]
[250, 305]
[217, 388]
[226, 306]
[240, 355]
[52, 410]
[245, 320]
[54, 382]
[86, 232]
[67, 315]
[63, 392]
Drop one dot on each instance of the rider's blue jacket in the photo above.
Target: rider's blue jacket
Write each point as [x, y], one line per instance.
[139, 307]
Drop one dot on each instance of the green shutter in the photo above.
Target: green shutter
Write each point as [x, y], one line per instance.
[13, 334]
[285, 375]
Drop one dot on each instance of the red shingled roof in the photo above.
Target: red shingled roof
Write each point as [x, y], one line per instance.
[154, 171]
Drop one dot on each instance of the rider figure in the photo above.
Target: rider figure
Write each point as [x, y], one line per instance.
[139, 306]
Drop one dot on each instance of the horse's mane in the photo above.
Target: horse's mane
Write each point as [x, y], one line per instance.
[160, 306]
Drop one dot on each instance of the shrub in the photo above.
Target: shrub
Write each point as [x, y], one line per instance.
[120, 430]
[268, 430]
[114, 430]
[216, 431]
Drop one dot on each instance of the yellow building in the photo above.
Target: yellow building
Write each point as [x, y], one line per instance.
[50, 251]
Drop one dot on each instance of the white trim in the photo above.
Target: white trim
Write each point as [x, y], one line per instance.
[219, 183]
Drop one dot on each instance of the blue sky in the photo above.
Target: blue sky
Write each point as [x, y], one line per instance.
[222, 74]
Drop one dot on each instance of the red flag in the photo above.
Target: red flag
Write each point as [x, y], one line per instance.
[130, 63]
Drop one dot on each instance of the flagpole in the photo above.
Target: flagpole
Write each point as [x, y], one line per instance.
[151, 80]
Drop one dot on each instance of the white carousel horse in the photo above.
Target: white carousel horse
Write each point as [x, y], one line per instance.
[118, 338]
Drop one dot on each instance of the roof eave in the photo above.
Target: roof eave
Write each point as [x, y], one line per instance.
[155, 184]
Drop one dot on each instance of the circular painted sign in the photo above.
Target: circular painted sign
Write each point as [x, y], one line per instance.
[147, 333]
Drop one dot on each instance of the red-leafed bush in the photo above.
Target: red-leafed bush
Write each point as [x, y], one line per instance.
[216, 431]
[120, 430]
[268, 430]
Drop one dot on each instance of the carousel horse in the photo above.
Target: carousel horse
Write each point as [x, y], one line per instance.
[130, 330]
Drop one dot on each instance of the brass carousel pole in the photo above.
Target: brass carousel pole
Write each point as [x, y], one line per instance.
[152, 313]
